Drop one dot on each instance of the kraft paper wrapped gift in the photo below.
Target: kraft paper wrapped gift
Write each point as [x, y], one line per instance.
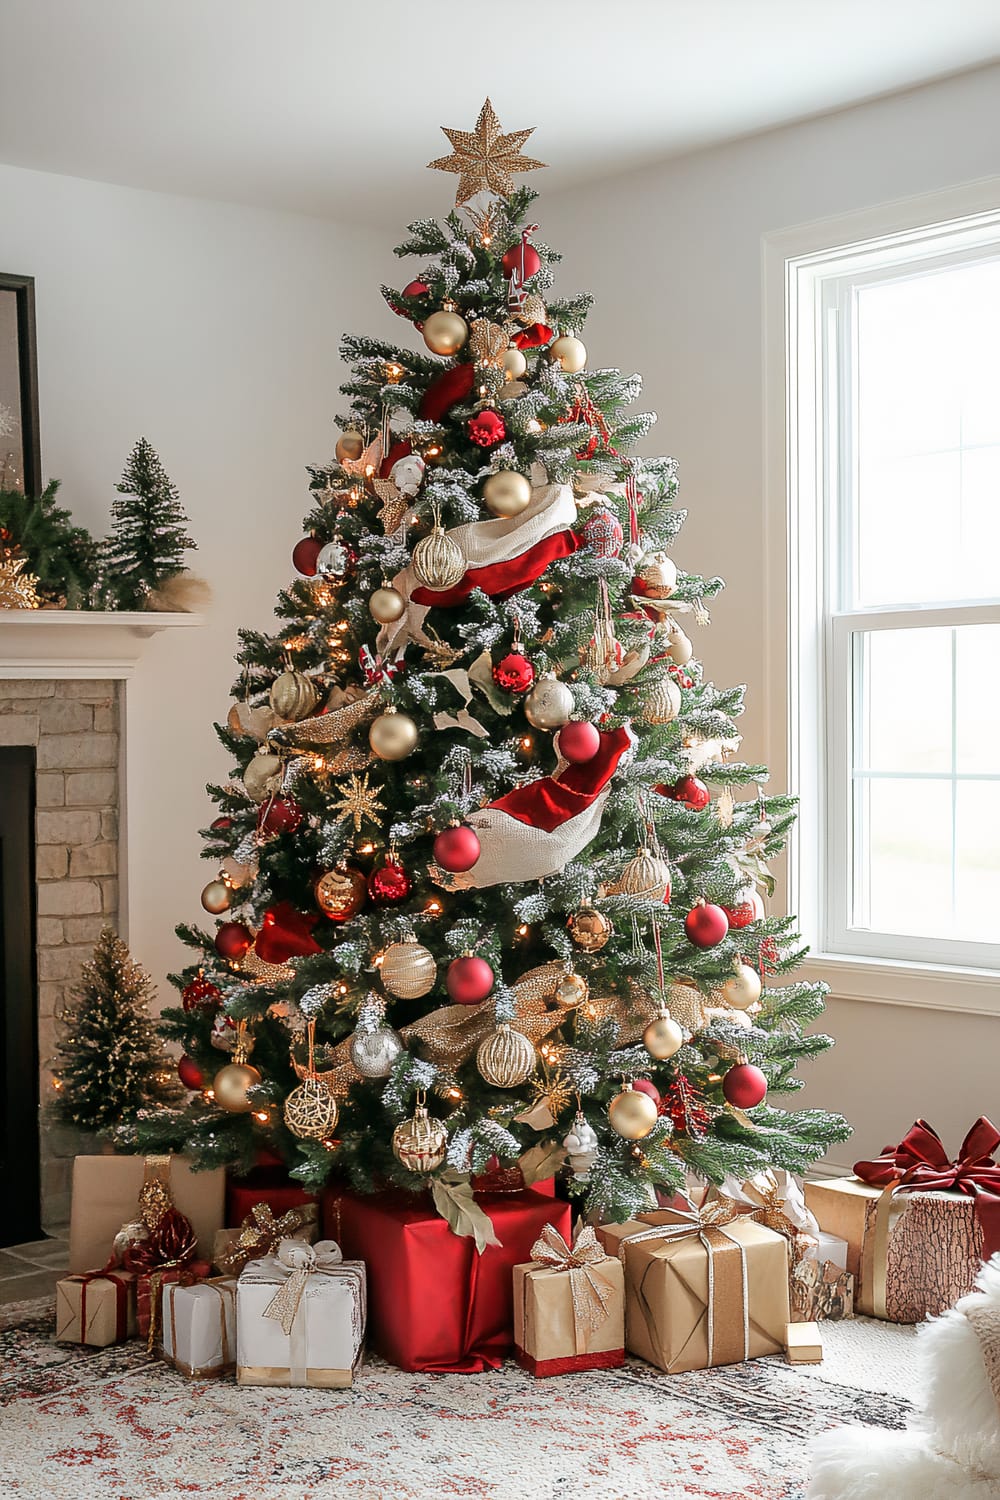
[199, 1327]
[97, 1308]
[300, 1317]
[685, 1274]
[106, 1192]
[803, 1345]
[569, 1306]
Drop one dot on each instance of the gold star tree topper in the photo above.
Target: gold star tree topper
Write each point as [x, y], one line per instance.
[485, 158]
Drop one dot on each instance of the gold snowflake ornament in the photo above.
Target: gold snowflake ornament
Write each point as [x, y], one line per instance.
[17, 588]
[485, 158]
[359, 801]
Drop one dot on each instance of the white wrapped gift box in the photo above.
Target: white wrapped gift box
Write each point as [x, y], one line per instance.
[199, 1327]
[301, 1317]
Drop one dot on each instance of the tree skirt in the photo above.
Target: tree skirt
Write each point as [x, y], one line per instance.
[113, 1424]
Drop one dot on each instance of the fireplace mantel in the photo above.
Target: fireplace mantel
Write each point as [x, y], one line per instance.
[68, 643]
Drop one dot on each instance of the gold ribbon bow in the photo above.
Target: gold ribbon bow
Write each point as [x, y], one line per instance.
[591, 1296]
[260, 1234]
[298, 1261]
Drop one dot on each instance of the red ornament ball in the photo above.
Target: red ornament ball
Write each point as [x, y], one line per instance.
[201, 994]
[304, 555]
[232, 940]
[416, 289]
[514, 673]
[469, 979]
[690, 790]
[645, 1086]
[511, 261]
[389, 883]
[578, 741]
[744, 1086]
[750, 909]
[603, 533]
[221, 825]
[457, 849]
[279, 815]
[487, 428]
[190, 1074]
[706, 925]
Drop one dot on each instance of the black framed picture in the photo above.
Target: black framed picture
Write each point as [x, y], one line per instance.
[20, 449]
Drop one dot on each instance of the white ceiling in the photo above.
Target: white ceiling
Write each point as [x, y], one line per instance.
[333, 108]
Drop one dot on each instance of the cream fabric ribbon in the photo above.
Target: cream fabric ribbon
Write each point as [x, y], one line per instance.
[591, 1296]
[299, 1261]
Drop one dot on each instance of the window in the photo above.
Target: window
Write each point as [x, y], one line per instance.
[893, 490]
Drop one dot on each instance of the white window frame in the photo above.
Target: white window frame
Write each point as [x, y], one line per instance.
[806, 272]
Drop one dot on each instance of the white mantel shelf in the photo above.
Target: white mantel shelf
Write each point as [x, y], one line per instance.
[64, 643]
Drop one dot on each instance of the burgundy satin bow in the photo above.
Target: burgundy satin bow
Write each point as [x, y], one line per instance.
[920, 1163]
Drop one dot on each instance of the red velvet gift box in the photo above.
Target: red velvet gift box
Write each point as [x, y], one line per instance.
[434, 1303]
[268, 1184]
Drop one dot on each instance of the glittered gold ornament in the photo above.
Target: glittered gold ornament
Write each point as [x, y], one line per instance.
[350, 445]
[18, 589]
[662, 1037]
[549, 703]
[216, 897]
[662, 703]
[293, 695]
[420, 1144]
[506, 1057]
[311, 1110]
[445, 332]
[632, 1114]
[485, 158]
[488, 343]
[506, 493]
[340, 893]
[408, 969]
[386, 605]
[230, 1086]
[374, 1052]
[262, 776]
[589, 928]
[743, 988]
[571, 991]
[569, 353]
[514, 363]
[646, 876]
[438, 562]
[359, 800]
[393, 735]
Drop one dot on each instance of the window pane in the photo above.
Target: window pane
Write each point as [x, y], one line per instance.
[928, 439]
[903, 857]
[905, 718]
[977, 673]
[977, 867]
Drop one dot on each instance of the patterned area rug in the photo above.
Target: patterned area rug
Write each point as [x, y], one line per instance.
[112, 1424]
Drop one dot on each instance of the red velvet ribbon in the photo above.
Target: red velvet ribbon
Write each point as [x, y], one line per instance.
[920, 1163]
[533, 337]
[171, 1243]
[549, 803]
[500, 580]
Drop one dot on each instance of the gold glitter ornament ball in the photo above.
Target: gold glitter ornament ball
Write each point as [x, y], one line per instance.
[386, 605]
[350, 445]
[506, 1058]
[506, 493]
[438, 562]
[420, 1144]
[393, 735]
[569, 353]
[743, 988]
[445, 332]
[662, 1037]
[293, 695]
[632, 1114]
[408, 969]
[230, 1086]
[311, 1110]
[589, 928]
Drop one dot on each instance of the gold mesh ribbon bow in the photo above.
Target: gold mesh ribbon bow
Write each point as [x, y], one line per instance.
[298, 1261]
[260, 1235]
[591, 1295]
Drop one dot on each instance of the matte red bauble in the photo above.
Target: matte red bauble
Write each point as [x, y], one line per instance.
[389, 883]
[706, 925]
[511, 261]
[578, 741]
[285, 933]
[457, 849]
[690, 790]
[201, 994]
[304, 555]
[750, 909]
[514, 673]
[190, 1074]
[469, 979]
[279, 815]
[232, 940]
[416, 289]
[645, 1086]
[221, 825]
[487, 428]
[744, 1086]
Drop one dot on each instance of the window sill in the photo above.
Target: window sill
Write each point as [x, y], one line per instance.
[892, 982]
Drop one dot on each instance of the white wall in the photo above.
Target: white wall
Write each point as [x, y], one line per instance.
[674, 256]
[213, 331]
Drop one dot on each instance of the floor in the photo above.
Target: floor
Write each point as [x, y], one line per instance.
[32, 1270]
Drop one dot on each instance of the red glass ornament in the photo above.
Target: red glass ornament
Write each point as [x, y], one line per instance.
[603, 533]
[457, 849]
[529, 266]
[645, 1086]
[706, 924]
[279, 815]
[690, 790]
[190, 1074]
[514, 673]
[304, 555]
[201, 994]
[750, 909]
[469, 979]
[285, 933]
[744, 1086]
[416, 289]
[232, 940]
[578, 741]
[221, 825]
[389, 883]
[487, 428]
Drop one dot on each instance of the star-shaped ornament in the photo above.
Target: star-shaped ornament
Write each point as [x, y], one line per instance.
[485, 158]
[359, 801]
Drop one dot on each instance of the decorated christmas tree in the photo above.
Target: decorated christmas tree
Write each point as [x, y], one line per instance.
[111, 1064]
[149, 532]
[491, 870]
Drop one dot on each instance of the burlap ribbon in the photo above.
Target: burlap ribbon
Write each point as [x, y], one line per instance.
[298, 1261]
[727, 1312]
[591, 1295]
[260, 1234]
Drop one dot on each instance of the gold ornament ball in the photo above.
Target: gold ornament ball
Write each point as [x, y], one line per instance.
[506, 1058]
[647, 876]
[386, 605]
[662, 703]
[549, 703]
[259, 778]
[408, 969]
[632, 1114]
[293, 695]
[215, 897]
[571, 991]
[420, 1144]
[590, 929]
[350, 445]
[514, 363]
[311, 1110]
[340, 893]
[393, 736]
[569, 353]
[662, 1037]
[506, 493]
[743, 988]
[438, 562]
[230, 1086]
[445, 333]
